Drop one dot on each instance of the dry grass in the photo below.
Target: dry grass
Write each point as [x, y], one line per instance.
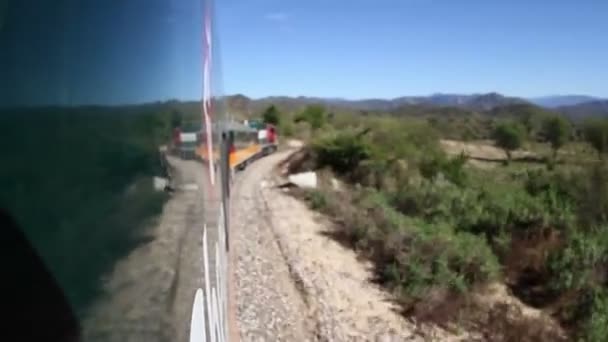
[485, 150]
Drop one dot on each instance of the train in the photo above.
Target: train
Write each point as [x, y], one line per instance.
[246, 141]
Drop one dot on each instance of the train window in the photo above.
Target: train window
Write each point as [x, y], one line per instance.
[101, 108]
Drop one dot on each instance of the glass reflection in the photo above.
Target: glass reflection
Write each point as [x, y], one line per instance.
[104, 174]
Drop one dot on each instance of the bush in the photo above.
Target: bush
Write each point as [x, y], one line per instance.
[342, 152]
[557, 131]
[317, 200]
[582, 262]
[286, 128]
[487, 210]
[412, 255]
[509, 136]
[392, 139]
[314, 114]
[271, 115]
[596, 134]
[593, 196]
[450, 168]
[595, 327]
[581, 268]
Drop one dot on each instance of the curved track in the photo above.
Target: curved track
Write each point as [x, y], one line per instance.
[269, 307]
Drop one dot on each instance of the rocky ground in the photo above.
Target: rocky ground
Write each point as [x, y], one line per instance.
[293, 283]
[269, 305]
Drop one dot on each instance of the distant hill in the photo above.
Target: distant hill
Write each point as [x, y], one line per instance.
[476, 102]
[492, 104]
[491, 100]
[425, 110]
[561, 100]
[523, 111]
[472, 102]
[586, 110]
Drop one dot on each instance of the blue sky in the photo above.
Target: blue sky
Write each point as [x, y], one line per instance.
[389, 48]
[126, 51]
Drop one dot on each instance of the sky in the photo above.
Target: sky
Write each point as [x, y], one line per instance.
[391, 48]
[133, 51]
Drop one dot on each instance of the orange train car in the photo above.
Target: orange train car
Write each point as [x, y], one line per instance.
[246, 144]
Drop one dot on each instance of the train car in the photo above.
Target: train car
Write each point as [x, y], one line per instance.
[186, 140]
[78, 226]
[245, 144]
[268, 139]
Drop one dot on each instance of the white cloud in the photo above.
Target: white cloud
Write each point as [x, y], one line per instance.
[277, 16]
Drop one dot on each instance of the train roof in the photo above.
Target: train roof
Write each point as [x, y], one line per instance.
[234, 126]
[238, 127]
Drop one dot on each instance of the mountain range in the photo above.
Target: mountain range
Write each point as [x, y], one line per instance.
[586, 109]
[574, 106]
[562, 100]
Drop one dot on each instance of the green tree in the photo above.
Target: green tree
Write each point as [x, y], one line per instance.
[314, 114]
[343, 152]
[557, 131]
[176, 119]
[596, 134]
[271, 115]
[509, 136]
[532, 121]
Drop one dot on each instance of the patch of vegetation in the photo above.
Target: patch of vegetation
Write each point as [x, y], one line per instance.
[342, 151]
[286, 128]
[509, 136]
[314, 115]
[271, 115]
[595, 132]
[438, 227]
[557, 131]
[318, 200]
[412, 255]
[451, 169]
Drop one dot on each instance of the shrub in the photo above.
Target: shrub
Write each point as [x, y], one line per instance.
[596, 134]
[595, 327]
[317, 200]
[414, 256]
[392, 139]
[557, 131]
[509, 136]
[484, 210]
[286, 128]
[314, 114]
[582, 262]
[450, 168]
[271, 115]
[342, 151]
[593, 196]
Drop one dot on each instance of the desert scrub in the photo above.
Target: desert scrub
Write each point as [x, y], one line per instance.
[342, 151]
[411, 256]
